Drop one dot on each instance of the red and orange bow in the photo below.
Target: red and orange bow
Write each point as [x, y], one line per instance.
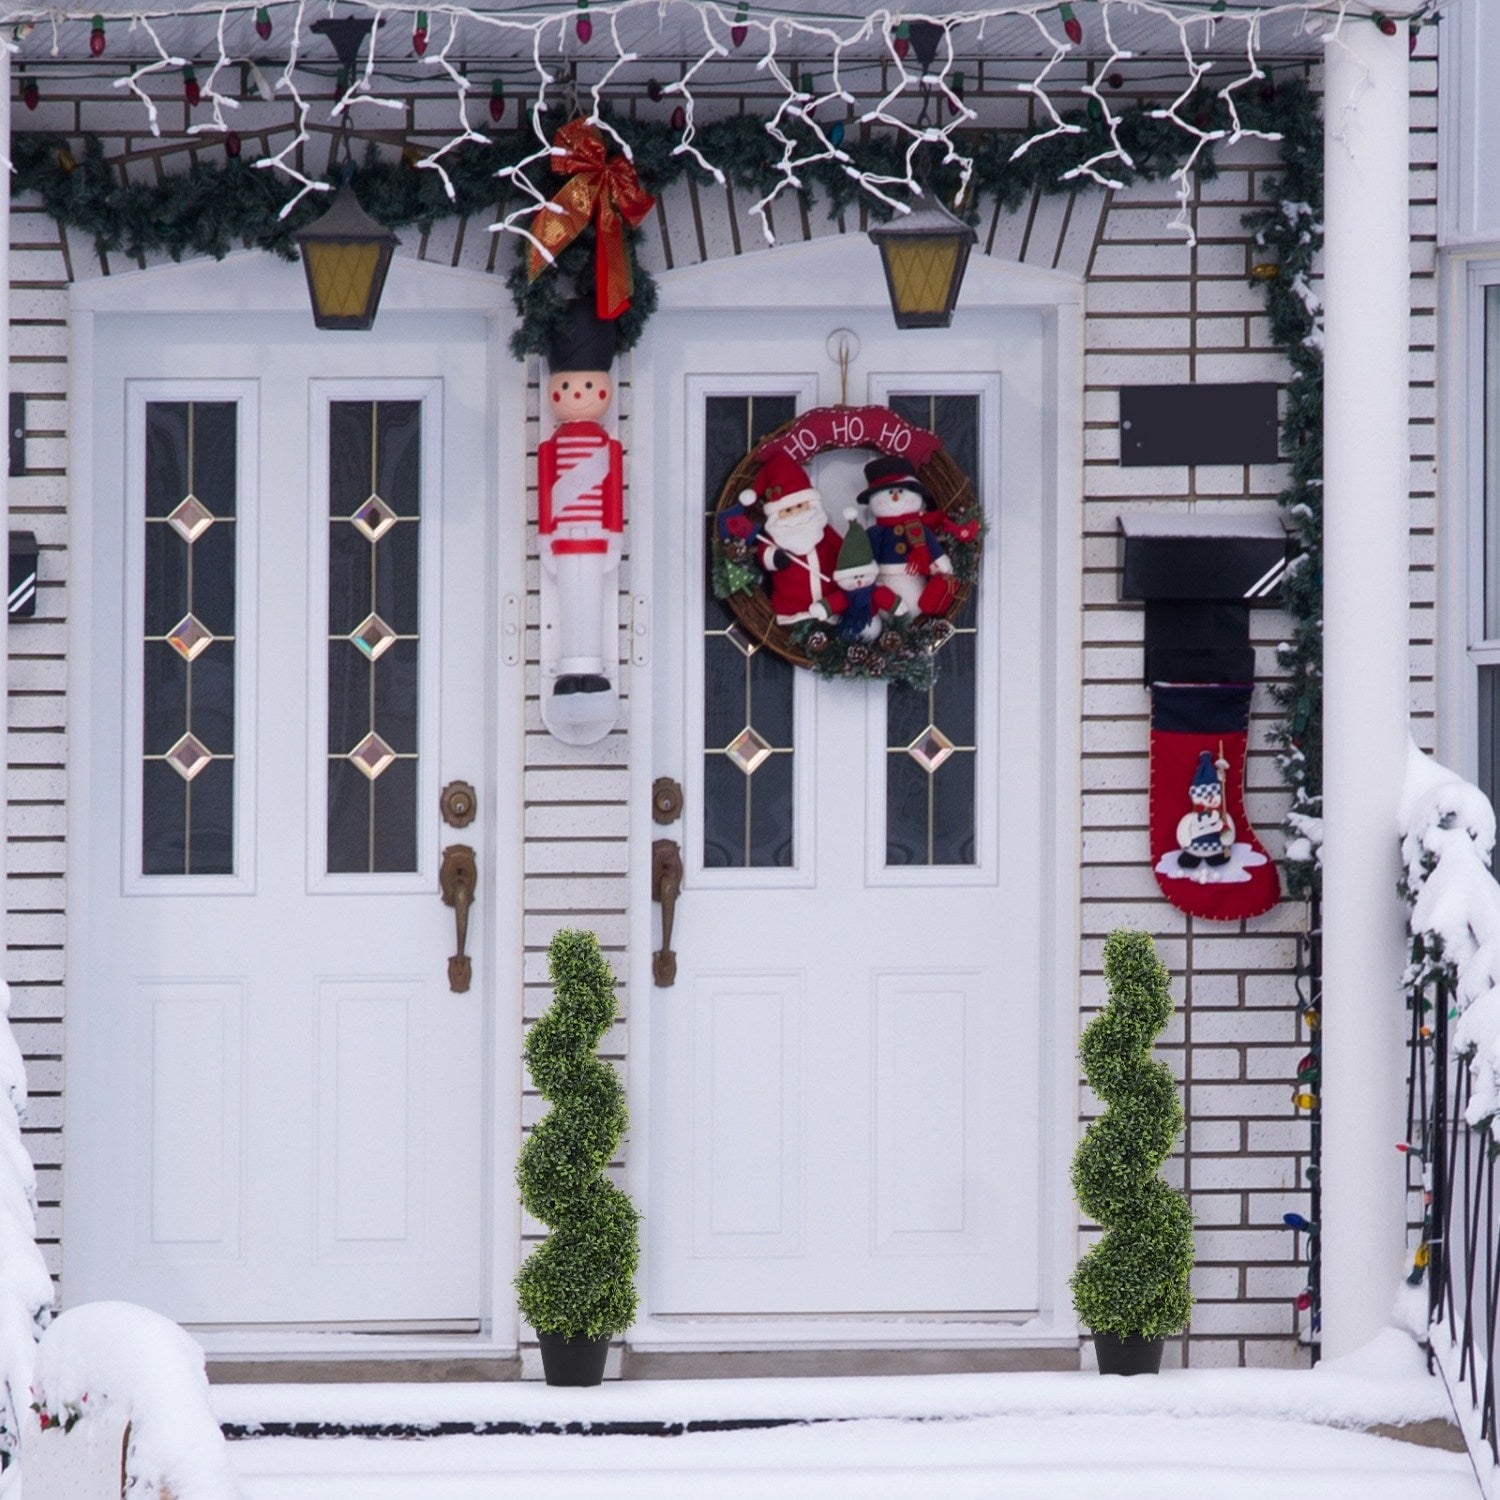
[601, 188]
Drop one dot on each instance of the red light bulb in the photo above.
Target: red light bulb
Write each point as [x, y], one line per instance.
[263, 24]
[1072, 25]
[96, 36]
[497, 101]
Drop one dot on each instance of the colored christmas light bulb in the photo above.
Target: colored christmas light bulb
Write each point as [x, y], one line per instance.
[836, 134]
[1308, 1061]
[31, 95]
[1116, 80]
[1304, 1299]
[66, 160]
[1384, 22]
[1096, 110]
[1310, 1018]
[1304, 1100]
[583, 26]
[1423, 1255]
[419, 34]
[679, 118]
[1071, 25]
[263, 24]
[96, 36]
[903, 40]
[1297, 1222]
[190, 90]
[739, 31]
[232, 145]
[497, 101]
[1407, 1149]
[1411, 37]
[653, 90]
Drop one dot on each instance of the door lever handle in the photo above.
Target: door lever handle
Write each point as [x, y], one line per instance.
[457, 877]
[666, 887]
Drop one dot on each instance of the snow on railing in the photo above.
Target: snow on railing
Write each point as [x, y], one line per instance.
[139, 1378]
[1447, 837]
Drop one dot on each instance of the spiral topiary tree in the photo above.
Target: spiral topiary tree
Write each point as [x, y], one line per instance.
[580, 1281]
[1134, 1282]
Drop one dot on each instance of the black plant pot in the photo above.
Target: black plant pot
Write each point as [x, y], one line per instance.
[1128, 1356]
[577, 1361]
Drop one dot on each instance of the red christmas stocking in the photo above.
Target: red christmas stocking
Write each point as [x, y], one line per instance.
[1206, 856]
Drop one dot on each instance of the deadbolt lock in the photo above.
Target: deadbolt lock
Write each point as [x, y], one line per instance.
[458, 803]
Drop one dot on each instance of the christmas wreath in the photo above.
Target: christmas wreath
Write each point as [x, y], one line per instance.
[870, 632]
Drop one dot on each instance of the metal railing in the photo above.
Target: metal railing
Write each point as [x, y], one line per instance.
[1453, 1167]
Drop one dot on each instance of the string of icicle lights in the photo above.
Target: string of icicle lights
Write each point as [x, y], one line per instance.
[577, 50]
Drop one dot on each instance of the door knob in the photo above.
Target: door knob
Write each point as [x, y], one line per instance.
[457, 877]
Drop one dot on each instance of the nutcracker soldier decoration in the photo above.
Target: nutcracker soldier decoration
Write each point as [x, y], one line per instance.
[580, 518]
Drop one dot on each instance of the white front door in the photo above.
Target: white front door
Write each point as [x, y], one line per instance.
[277, 1098]
[846, 1077]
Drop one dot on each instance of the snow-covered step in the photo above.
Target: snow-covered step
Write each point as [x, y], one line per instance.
[1079, 1457]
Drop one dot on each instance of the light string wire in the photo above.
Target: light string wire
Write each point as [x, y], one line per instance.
[788, 47]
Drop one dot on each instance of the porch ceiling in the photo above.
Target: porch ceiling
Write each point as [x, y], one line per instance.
[805, 31]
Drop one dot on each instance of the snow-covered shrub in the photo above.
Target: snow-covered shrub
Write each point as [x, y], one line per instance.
[1134, 1282]
[1447, 837]
[142, 1368]
[25, 1287]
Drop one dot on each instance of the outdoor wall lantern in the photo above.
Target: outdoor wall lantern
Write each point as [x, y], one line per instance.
[345, 254]
[924, 254]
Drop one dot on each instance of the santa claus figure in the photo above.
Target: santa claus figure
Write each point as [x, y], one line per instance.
[798, 549]
[1205, 836]
[868, 603]
[581, 515]
[910, 559]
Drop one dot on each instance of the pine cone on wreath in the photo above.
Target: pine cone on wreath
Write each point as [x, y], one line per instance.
[890, 642]
[818, 642]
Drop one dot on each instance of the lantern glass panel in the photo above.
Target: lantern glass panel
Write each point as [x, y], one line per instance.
[345, 280]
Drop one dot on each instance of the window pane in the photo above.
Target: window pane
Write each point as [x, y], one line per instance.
[1492, 463]
[189, 612]
[748, 730]
[374, 556]
[1489, 731]
[931, 734]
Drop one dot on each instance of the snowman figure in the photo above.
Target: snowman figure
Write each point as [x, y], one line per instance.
[910, 559]
[1205, 835]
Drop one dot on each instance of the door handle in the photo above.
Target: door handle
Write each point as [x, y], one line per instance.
[666, 887]
[457, 877]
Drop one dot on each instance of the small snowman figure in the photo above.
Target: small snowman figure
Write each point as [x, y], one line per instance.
[1204, 835]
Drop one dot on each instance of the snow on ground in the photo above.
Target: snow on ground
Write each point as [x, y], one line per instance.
[1193, 1434]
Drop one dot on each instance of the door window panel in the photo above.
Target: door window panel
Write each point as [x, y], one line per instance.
[188, 658]
[374, 553]
[931, 734]
[748, 726]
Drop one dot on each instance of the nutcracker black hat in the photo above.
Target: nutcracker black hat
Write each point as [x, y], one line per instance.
[585, 341]
[886, 473]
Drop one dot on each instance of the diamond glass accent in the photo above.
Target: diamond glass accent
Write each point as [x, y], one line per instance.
[741, 638]
[372, 755]
[930, 748]
[191, 519]
[190, 637]
[374, 518]
[748, 750]
[373, 636]
[189, 756]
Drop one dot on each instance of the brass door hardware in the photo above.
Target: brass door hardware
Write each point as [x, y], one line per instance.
[458, 804]
[666, 886]
[666, 800]
[457, 877]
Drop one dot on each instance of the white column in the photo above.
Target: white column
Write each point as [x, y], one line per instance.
[1365, 645]
[5, 80]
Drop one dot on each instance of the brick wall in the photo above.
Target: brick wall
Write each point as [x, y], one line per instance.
[1157, 310]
